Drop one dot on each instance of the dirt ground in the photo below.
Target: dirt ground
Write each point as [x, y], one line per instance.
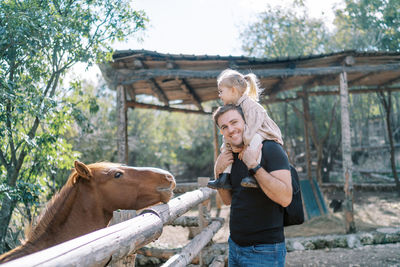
[372, 210]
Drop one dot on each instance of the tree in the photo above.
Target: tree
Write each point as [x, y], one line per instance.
[387, 104]
[372, 25]
[285, 33]
[368, 25]
[181, 143]
[39, 41]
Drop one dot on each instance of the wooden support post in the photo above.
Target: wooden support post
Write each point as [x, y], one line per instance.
[204, 214]
[306, 136]
[218, 200]
[118, 217]
[121, 216]
[122, 134]
[204, 207]
[346, 154]
[190, 251]
[307, 123]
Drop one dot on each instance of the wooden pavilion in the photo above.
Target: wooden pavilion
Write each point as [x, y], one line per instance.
[182, 83]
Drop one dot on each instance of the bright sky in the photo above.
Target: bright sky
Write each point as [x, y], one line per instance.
[208, 27]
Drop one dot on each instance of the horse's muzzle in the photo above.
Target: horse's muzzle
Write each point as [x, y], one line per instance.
[167, 192]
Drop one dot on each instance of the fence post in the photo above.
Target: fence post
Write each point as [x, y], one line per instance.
[118, 217]
[204, 214]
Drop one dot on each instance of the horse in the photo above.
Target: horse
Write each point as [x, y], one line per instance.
[87, 201]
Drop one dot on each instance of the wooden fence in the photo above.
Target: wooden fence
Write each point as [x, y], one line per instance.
[111, 245]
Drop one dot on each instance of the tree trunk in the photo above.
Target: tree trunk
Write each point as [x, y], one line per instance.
[307, 124]
[7, 207]
[387, 104]
[346, 155]
[122, 142]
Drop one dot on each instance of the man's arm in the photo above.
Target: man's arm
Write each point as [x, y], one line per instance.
[277, 185]
[225, 195]
[223, 161]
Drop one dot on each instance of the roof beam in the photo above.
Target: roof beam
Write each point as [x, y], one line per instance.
[354, 81]
[322, 93]
[353, 91]
[276, 87]
[158, 91]
[392, 81]
[139, 75]
[190, 92]
[134, 104]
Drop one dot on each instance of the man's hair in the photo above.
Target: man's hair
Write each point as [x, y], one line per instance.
[223, 109]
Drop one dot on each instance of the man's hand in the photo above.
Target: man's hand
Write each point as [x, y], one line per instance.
[223, 161]
[250, 156]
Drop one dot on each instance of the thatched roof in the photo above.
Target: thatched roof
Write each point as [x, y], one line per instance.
[191, 79]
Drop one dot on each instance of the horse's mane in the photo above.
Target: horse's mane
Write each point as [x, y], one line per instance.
[59, 201]
[47, 216]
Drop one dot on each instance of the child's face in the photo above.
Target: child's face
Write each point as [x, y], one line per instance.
[228, 95]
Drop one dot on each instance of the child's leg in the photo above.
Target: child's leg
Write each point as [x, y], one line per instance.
[255, 143]
[223, 180]
[225, 148]
[228, 169]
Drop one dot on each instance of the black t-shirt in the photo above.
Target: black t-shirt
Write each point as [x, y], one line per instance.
[255, 218]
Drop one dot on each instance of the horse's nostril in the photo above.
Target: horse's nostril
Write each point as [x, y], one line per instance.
[171, 179]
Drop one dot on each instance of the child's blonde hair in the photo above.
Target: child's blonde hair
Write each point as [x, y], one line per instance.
[245, 84]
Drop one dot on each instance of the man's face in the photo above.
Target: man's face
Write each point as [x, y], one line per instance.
[231, 124]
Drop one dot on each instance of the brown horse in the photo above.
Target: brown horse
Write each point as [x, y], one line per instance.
[88, 199]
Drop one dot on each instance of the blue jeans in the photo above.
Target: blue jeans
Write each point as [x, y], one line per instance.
[257, 255]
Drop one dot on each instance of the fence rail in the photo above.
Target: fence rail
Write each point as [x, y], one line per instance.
[120, 240]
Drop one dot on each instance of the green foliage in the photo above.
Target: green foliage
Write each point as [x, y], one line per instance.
[39, 41]
[368, 25]
[95, 138]
[361, 25]
[285, 33]
[181, 143]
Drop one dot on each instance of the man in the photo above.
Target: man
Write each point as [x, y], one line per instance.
[256, 216]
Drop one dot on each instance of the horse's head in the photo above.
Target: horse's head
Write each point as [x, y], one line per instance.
[124, 187]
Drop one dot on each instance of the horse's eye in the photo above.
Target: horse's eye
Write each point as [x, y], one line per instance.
[118, 175]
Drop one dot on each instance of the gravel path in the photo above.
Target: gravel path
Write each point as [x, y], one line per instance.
[377, 255]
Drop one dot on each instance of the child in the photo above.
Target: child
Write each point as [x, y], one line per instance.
[243, 91]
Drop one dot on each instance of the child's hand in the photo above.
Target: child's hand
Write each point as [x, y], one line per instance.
[250, 156]
[240, 156]
[223, 161]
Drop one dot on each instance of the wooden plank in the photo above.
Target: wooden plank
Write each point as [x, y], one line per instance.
[158, 91]
[96, 248]
[134, 104]
[323, 93]
[191, 93]
[186, 221]
[193, 248]
[181, 204]
[185, 187]
[219, 261]
[261, 73]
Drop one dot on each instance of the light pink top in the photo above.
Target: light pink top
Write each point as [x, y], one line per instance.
[256, 121]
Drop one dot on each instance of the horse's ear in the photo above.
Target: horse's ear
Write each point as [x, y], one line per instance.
[82, 170]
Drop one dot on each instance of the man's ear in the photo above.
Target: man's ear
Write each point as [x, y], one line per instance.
[82, 170]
